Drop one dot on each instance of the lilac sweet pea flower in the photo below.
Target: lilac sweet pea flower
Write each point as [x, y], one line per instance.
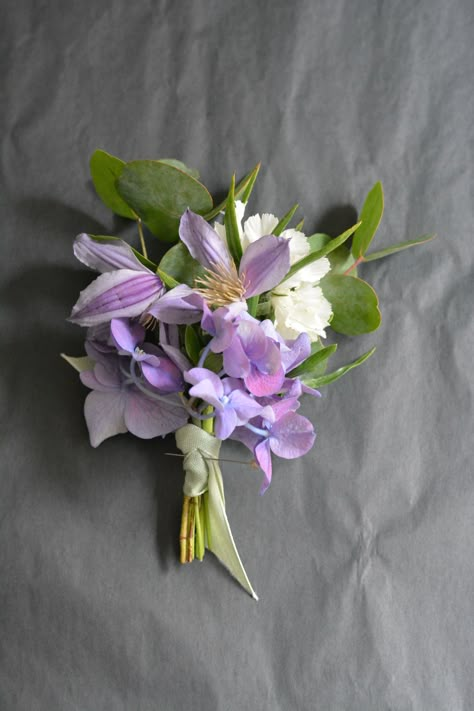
[264, 264]
[117, 405]
[157, 369]
[233, 406]
[126, 288]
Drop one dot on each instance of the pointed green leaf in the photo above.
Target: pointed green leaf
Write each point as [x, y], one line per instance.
[249, 187]
[370, 216]
[285, 220]
[192, 344]
[80, 364]
[307, 368]
[372, 256]
[178, 264]
[318, 241]
[252, 305]
[159, 193]
[326, 249]
[354, 304]
[240, 192]
[105, 169]
[299, 226]
[336, 374]
[181, 166]
[144, 260]
[167, 279]
[231, 225]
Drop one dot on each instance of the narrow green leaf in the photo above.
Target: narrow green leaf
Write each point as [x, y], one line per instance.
[167, 279]
[329, 247]
[80, 364]
[181, 166]
[231, 225]
[285, 220]
[336, 374]
[144, 260]
[249, 187]
[252, 305]
[354, 304]
[178, 264]
[240, 189]
[105, 169]
[370, 216]
[318, 241]
[159, 193]
[192, 344]
[308, 366]
[299, 226]
[372, 256]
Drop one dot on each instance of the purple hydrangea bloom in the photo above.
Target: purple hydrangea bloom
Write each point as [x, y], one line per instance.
[117, 405]
[233, 406]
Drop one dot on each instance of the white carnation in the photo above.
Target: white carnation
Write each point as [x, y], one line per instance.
[301, 310]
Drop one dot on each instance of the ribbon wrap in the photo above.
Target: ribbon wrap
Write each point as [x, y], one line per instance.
[203, 473]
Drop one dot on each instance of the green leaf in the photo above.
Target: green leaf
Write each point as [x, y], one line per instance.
[285, 220]
[336, 374]
[178, 264]
[241, 190]
[372, 256]
[192, 344]
[105, 169]
[299, 226]
[80, 364]
[167, 279]
[326, 249]
[354, 304]
[159, 193]
[231, 225]
[181, 166]
[318, 241]
[252, 305]
[308, 366]
[370, 216]
[341, 260]
[144, 260]
[214, 362]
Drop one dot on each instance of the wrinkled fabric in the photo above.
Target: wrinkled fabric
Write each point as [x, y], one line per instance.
[361, 551]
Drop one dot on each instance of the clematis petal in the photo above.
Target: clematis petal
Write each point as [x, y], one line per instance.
[203, 242]
[264, 459]
[122, 293]
[147, 418]
[104, 414]
[127, 335]
[292, 436]
[226, 422]
[180, 305]
[264, 264]
[106, 256]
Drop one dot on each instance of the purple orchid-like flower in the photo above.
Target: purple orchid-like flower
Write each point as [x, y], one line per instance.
[264, 264]
[233, 406]
[117, 404]
[157, 368]
[278, 429]
[125, 288]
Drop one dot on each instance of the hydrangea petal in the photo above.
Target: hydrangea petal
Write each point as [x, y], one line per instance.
[127, 335]
[264, 460]
[147, 418]
[104, 416]
[292, 436]
[226, 422]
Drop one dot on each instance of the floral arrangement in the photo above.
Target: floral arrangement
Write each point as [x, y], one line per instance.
[224, 336]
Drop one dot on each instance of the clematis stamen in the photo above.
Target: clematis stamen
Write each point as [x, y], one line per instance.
[221, 285]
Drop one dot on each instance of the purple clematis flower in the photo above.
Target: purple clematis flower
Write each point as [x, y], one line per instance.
[117, 405]
[278, 429]
[125, 288]
[233, 406]
[264, 264]
[157, 368]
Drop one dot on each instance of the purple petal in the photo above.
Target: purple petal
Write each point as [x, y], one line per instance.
[104, 413]
[177, 357]
[245, 406]
[127, 335]
[181, 305]
[226, 422]
[203, 242]
[298, 351]
[106, 256]
[292, 436]
[169, 335]
[122, 293]
[206, 385]
[261, 384]
[253, 340]
[264, 264]
[147, 418]
[164, 375]
[264, 459]
[236, 362]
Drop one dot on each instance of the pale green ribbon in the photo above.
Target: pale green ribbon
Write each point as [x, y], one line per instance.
[201, 452]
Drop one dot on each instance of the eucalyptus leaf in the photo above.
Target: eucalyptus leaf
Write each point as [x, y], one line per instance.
[105, 169]
[370, 216]
[178, 263]
[372, 256]
[241, 192]
[336, 374]
[306, 369]
[354, 304]
[181, 166]
[192, 344]
[341, 260]
[231, 225]
[318, 241]
[214, 362]
[285, 220]
[159, 193]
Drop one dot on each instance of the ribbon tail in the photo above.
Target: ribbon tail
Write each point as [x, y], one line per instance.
[222, 542]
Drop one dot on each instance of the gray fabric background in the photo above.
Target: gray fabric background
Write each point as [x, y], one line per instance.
[362, 551]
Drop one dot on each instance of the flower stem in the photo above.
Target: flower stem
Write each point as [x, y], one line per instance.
[142, 238]
[183, 531]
